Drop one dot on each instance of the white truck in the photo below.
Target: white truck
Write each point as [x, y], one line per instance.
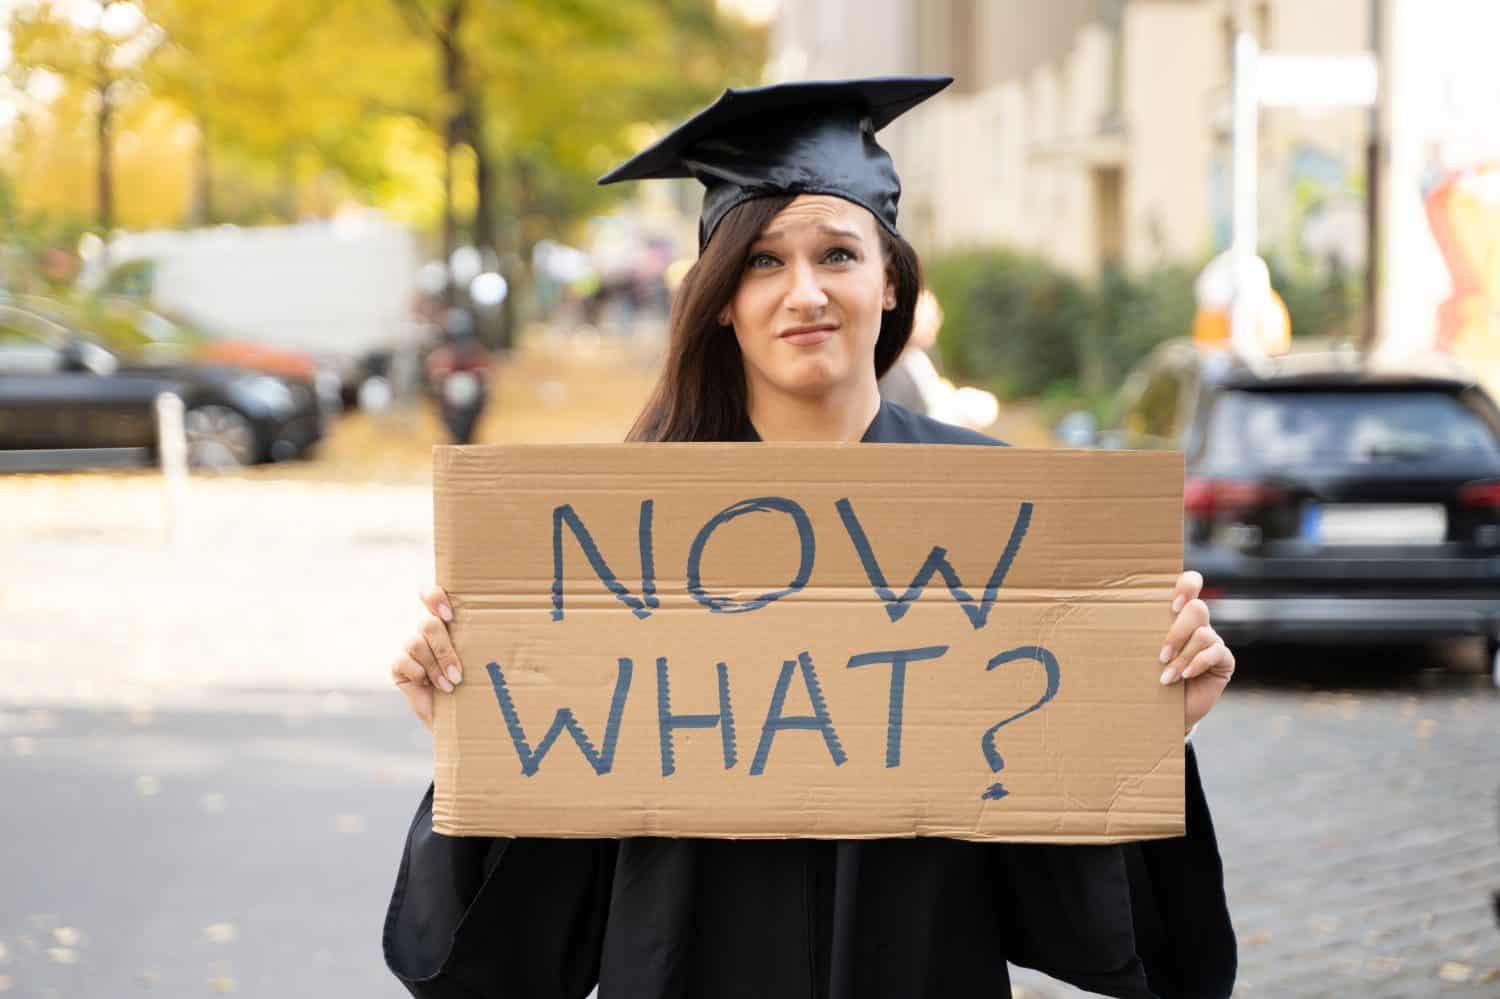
[341, 291]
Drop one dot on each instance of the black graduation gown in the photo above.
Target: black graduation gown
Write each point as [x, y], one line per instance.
[644, 918]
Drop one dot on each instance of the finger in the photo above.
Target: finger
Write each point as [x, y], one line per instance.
[1193, 616]
[1189, 586]
[436, 601]
[420, 650]
[408, 670]
[419, 699]
[1199, 640]
[1216, 659]
[441, 644]
[1202, 640]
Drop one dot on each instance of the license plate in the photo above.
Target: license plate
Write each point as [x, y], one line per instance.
[1375, 524]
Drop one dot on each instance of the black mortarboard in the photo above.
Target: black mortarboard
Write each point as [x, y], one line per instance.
[814, 137]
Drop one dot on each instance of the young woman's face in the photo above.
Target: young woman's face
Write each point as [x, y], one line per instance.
[808, 308]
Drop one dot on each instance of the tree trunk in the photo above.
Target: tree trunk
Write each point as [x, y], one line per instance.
[486, 218]
[203, 182]
[453, 109]
[288, 183]
[105, 124]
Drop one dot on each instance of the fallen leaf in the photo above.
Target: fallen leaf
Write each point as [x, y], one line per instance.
[1257, 938]
[4, 954]
[1455, 971]
[41, 719]
[349, 824]
[67, 936]
[1425, 727]
[220, 932]
[23, 745]
[1323, 925]
[148, 978]
[1492, 975]
[5, 983]
[222, 983]
[213, 803]
[147, 786]
[62, 955]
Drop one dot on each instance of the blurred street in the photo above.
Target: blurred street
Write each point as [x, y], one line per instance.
[226, 704]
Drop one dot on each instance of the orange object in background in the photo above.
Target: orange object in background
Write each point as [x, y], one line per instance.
[1463, 209]
[1273, 327]
[272, 360]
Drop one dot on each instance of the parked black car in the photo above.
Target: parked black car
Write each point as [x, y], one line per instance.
[66, 401]
[1330, 497]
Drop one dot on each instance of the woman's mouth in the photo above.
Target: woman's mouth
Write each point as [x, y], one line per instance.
[808, 336]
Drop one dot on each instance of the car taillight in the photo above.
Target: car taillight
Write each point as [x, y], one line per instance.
[1480, 493]
[1220, 497]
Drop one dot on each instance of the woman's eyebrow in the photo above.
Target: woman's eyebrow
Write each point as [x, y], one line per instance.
[771, 235]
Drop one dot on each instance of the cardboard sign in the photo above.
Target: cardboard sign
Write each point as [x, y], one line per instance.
[833, 641]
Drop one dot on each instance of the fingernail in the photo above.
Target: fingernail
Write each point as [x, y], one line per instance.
[446, 612]
[1177, 604]
[1166, 654]
[1166, 676]
[444, 685]
[454, 675]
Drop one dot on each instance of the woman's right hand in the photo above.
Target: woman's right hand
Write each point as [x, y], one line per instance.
[428, 659]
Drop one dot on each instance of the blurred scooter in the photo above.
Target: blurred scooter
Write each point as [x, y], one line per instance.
[458, 373]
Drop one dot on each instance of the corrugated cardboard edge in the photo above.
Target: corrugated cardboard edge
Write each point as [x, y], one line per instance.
[445, 709]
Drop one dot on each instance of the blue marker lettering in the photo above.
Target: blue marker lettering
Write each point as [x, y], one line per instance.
[819, 720]
[937, 562]
[726, 605]
[602, 762]
[640, 606]
[668, 722]
[898, 659]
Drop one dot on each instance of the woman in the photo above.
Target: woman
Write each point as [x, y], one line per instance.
[802, 296]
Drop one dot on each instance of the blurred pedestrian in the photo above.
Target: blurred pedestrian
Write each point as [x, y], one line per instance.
[458, 371]
[913, 381]
[803, 294]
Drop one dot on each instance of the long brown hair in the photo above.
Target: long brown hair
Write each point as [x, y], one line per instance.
[702, 395]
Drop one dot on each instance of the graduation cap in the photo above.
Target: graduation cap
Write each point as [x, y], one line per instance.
[813, 137]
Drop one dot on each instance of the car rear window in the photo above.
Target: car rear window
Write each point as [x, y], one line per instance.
[1303, 427]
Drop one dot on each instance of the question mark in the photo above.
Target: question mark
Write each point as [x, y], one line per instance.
[996, 791]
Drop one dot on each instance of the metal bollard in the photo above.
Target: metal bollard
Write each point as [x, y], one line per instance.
[171, 450]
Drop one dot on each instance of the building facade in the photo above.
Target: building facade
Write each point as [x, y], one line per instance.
[1095, 131]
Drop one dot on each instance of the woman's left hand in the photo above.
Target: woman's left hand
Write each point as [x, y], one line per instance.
[1194, 652]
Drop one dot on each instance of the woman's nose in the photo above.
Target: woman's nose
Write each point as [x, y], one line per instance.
[806, 293]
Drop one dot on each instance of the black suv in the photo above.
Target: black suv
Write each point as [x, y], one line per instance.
[1328, 496]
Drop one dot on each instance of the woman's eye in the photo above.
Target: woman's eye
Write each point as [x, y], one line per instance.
[761, 260]
[839, 255]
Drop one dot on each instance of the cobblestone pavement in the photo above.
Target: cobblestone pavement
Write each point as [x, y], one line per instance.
[1356, 801]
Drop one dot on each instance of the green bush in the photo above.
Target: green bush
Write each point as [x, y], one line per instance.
[1024, 328]
[1328, 306]
[1011, 320]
